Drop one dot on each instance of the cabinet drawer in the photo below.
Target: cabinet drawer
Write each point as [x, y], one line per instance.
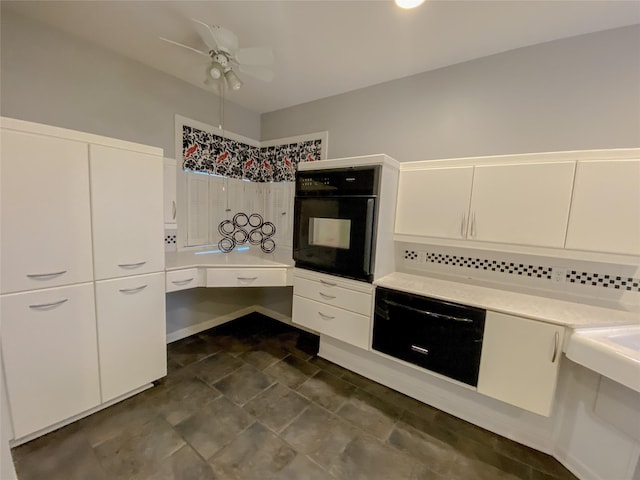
[331, 293]
[182, 279]
[246, 277]
[335, 322]
[50, 355]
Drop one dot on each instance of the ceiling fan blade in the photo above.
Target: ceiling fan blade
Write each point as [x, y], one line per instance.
[200, 52]
[254, 56]
[206, 34]
[226, 39]
[257, 71]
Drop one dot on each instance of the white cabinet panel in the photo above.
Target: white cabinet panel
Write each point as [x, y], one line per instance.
[605, 211]
[246, 277]
[183, 279]
[46, 228]
[335, 322]
[331, 293]
[526, 204]
[169, 191]
[519, 361]
[434, 202]
[131, 332]
[198, 212]
[279, 211]
[50, 354]
[126, 204]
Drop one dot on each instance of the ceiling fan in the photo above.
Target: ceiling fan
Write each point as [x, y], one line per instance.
[224, 52]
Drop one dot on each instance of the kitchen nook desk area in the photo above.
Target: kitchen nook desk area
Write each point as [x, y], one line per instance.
[191, 309]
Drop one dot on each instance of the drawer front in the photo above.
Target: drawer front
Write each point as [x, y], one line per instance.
[335, 322]
[246, 277]
[182, 279]
[332, 294]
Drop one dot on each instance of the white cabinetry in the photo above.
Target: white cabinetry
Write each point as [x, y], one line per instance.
[333, 306]
[50, 354]
[131, 334]
[126, 205]
[246, 277]
[46, 226]
[434, 202]
[279, 211]
[605, 211]
[169, 192]
[525, 204]
[519, 361]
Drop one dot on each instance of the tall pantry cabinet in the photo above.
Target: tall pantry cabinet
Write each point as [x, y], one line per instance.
[82, 273]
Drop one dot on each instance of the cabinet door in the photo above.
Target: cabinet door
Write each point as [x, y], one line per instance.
[519, 361]
[279, 211]
[126, 205]
[131, 332]
[46, 228]
[49, 348]
[434, 202]
[169, 191]
[236, 202]
[217, 207]
[605, 211]
[525, 204]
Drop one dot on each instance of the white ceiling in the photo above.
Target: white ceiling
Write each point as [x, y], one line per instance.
[324, 48]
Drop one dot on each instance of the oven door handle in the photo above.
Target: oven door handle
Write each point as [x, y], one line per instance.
[369, 235]
[428, 313]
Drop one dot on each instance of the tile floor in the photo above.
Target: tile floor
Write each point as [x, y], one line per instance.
[251, 400]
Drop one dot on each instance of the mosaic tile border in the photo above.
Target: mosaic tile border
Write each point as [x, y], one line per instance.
[533, 271]
[170, 239]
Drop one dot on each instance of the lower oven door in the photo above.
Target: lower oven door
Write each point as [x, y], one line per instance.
[443, 337]
[335, 235]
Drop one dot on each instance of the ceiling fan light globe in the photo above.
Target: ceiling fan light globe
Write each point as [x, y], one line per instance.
[232, 80]
[215, 70]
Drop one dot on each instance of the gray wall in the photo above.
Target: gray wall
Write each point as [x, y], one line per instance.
[48, 76]
[574, 94]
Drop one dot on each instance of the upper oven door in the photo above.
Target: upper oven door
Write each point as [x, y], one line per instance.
[335, 235]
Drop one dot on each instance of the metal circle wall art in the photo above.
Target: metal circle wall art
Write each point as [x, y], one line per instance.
[246, 229]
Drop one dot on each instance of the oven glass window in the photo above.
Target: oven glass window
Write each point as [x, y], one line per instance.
[330, 232]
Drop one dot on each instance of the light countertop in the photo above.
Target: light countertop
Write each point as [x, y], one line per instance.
[243, 257]
[538, 307]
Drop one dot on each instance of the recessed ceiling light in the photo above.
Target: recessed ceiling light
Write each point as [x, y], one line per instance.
[407, 4]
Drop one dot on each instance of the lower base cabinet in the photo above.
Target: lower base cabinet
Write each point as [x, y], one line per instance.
[333, 306]
[50, 355]
[131, 332]
[520, 360]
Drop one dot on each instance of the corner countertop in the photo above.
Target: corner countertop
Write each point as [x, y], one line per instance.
[243, 257]
[567, 312]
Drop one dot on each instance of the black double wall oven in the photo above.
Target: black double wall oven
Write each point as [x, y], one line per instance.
[335, 220]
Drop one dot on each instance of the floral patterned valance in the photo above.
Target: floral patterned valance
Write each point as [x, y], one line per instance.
[207, 152]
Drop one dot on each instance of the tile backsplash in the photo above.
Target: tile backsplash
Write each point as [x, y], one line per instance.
[170, 240]
[601, 280]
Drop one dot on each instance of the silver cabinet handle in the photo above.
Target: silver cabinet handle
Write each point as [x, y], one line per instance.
[131, 265]
[329, 297]
[44, 275]
[326, 317]
[418, 349]
[173, 209]
[556, 343]
[473, 225]
[49, 305]
[182, 282]
[133, 290]
[247, 279]
[330, 284]
[462, 225]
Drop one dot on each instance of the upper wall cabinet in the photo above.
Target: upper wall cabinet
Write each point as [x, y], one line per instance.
[434, 202]
[45, 203]
[169, 192]
[126, 201]
[525, 204]
[605, 213]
